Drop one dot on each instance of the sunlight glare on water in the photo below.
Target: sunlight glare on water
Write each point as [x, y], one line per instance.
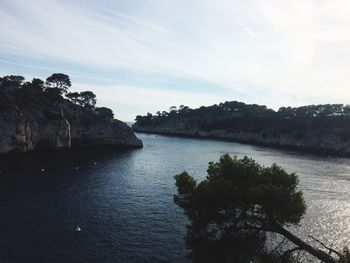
[123, 200]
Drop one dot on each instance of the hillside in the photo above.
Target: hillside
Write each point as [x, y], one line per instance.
[321, 128]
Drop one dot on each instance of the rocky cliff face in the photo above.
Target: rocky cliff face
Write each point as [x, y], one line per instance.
[88, 129]
[309, 140]
[39, 125]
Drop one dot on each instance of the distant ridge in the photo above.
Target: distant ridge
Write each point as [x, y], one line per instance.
[319, 128]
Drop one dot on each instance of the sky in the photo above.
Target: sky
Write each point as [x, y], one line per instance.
[142, 56]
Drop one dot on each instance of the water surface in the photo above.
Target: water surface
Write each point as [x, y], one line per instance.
[122, 200]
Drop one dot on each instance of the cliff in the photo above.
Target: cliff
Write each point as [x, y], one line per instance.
[327, 133]
[89, 129]
[32, 119]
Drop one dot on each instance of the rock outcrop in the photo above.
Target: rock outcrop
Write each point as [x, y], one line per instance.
[40, 125]
[89, 129]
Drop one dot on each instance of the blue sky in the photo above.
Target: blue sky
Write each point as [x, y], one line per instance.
[147, 55]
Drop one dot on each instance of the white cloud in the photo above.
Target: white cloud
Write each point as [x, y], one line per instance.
[292, 51]
[129, 101]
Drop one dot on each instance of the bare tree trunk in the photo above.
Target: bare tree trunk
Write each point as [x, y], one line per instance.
[321, 255]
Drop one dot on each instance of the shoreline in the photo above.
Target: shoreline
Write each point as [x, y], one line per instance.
[297, 149]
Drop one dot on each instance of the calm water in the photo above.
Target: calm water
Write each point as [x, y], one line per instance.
[122, 200]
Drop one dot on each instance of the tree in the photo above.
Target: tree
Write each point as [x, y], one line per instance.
[54, 95]
[59, 81]
[11, 81]
[233, 209]
[139, 118]
[74, 97]
[172, 108]
[184, 109]
[86, 99]
[29, 92]
[105, 113]
[37, 84]
[346, 109]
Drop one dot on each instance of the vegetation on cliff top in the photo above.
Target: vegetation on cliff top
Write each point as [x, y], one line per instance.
[16, 93]
[236, 116]
[235, 208]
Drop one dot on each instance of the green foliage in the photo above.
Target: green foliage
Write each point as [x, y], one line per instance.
[37, 84]
[105, 113]
[138, 118]
[231, 210]
[54, 95]
[185, 183]
[74, 97]
[11, 80]
[14, 93]
[86, 99]
[172, 108]
[236, 116]
[59, 81]
[145, 120]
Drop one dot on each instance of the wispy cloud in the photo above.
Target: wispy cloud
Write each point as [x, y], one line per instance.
[270, 51]
[245, 28]
[129, 101]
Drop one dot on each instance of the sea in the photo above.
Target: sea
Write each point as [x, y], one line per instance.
[122, 200]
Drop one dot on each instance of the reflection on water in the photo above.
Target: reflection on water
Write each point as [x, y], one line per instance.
[122, 200]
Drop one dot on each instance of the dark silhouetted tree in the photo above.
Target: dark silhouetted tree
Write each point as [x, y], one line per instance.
[86, 99]
[74, 97]
[59, 81]
[11, 81]
[30, 92]
[105, 113]
[172, 108]
[37, 84]
[234, 208]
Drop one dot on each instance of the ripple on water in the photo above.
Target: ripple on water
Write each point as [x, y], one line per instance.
[123, 200]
